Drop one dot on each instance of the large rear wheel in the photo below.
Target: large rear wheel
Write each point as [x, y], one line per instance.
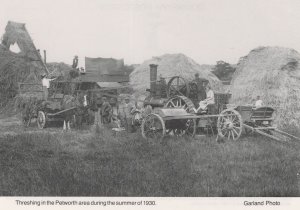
[181, 102]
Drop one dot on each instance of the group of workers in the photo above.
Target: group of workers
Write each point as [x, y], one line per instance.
[123, 117]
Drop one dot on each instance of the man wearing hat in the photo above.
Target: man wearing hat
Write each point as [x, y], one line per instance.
[106, 111]
[126, 114]
[200, 87]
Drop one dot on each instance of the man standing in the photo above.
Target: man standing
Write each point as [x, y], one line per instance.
[125, 114]
[106, 111]
[46, 85]
[200, 87]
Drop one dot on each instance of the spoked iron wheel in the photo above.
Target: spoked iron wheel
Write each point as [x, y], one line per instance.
[137, 118]
[230, 124]
[181, 102]
[41, 120]
[153, 127]
[178, 86]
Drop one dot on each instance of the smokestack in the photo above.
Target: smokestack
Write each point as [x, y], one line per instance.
[153, 77]
[45, 57]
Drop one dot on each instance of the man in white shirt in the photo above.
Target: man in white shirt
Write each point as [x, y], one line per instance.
[258, 102]
[210, 99]
[46, 84]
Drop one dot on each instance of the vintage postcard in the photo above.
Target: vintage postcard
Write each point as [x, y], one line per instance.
[161, 104]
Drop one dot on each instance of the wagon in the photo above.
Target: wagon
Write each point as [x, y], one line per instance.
[35, 105]
[178, 122]
[49, 113]
[261, 120]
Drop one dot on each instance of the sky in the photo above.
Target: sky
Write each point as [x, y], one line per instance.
[136, 30]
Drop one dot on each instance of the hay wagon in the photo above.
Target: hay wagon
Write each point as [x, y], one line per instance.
[56, 108]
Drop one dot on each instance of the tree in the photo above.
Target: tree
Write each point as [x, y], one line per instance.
[223, 70]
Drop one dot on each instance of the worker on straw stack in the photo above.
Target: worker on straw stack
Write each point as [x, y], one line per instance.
[46, 84]
[125, 113]
[258, 102]
[210, 99]
[106, 111]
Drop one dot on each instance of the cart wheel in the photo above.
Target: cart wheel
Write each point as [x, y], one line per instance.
[153, 127]
[41, 120]
[230, 124]
[137, 118]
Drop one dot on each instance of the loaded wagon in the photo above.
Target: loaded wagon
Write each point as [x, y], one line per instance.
[58, 107]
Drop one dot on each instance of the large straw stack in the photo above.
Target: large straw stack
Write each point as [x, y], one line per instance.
[274, 74]
[170, 65]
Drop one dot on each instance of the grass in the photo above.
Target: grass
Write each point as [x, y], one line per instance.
[73, 164]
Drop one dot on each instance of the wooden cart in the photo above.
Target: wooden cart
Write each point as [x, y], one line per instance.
[178, 122]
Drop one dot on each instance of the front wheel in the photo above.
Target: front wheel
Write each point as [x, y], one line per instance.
[230, 124]
[153, 127]
[41, 120]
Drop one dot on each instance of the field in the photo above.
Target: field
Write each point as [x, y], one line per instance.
[86, 163]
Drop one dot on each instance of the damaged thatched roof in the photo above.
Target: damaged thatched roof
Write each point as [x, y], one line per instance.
[17, 33]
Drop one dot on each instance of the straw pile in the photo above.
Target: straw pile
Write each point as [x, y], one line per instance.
[13, 69]
[170, 65]
[60, 70]
[274, 74]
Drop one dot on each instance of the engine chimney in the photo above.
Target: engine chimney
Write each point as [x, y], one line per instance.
[153, 77]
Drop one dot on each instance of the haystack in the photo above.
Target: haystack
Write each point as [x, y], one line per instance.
[25, 66]
[274, 74]
[170, 65]
[59, 70]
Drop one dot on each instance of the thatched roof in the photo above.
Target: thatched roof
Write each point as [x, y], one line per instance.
[17, 33]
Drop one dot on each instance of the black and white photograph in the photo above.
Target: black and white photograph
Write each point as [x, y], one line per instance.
[121, 103]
